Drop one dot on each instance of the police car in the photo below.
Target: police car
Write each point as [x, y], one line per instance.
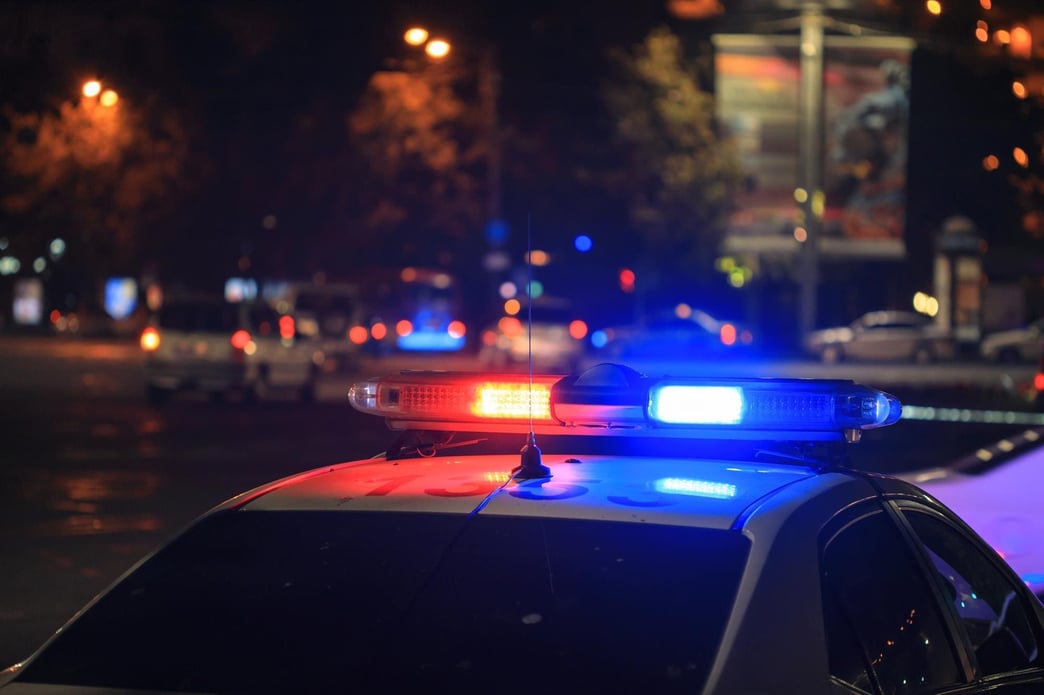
[604, 531]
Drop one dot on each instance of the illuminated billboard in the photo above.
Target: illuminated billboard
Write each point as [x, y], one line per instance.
[866, 99]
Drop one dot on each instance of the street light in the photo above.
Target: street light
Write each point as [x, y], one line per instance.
[415, 36]
[437, 48]
[93, 88]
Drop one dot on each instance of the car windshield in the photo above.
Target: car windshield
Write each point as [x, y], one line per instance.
[333, 601]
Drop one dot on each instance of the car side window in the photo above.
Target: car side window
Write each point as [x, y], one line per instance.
[989, 609]
[884, 629]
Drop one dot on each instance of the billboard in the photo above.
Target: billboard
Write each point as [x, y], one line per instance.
[866, 107]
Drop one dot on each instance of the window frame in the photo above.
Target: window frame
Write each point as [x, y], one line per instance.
[898, 507]
[845, 520]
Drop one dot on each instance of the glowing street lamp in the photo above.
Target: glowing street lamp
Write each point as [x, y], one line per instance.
[93, 88]
[415, 36]
[437, 48]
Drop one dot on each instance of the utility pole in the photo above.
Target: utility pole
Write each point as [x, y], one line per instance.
[810, 161]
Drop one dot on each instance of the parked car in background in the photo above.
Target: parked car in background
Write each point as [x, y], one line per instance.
[1015, 345]
[556, 340]
[332, 314]
[884, 336]
[680, 332]
[221, 348]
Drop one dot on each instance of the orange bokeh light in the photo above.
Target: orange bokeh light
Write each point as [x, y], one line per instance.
[415, 36]
[437, 48]
[510, 326]
[358, 334]
[240, 339]
[727, 333]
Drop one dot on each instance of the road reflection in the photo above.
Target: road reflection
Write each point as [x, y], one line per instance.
[90, 503]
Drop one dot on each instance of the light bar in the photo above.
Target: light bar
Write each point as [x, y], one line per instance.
[611, 399]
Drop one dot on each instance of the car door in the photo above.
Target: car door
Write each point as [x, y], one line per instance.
[886, 631]
[887, 340]
[999, 623]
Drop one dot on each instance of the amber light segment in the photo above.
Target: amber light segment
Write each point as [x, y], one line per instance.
[514, 401]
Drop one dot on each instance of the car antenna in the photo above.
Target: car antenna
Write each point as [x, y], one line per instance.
[532, 465]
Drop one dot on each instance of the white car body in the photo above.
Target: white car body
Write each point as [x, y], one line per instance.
[998, 491]
[887, 336]
[1015, 345]
[191, 345]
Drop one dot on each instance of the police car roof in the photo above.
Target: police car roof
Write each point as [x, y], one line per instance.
[684, 492]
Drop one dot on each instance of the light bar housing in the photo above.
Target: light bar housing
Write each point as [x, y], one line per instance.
[612, 400]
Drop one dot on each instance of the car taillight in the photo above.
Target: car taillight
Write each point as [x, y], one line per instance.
[286, 327]
[358, 335]
[150, 339]
[240, 339]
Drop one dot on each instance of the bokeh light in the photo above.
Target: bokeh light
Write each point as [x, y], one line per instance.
[437, 48]
[415, 36]
[508, 290]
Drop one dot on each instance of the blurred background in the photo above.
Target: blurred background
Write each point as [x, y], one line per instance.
[661, 154]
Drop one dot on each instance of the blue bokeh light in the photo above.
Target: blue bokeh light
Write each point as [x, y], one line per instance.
[582, 243]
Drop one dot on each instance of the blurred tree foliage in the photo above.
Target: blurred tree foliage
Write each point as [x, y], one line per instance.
[425, 148]
[97, 174]
[680, 177]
